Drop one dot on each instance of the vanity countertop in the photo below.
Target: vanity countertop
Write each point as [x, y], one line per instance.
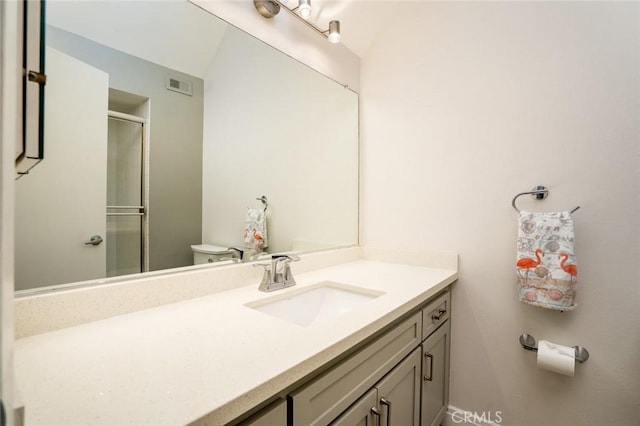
[208, 357]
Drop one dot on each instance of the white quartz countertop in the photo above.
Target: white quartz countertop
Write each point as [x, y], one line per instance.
[211, 356]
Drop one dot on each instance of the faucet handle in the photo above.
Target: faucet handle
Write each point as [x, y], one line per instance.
[267, 278]
[266, 266]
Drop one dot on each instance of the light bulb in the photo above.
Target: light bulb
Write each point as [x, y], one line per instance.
[334, 32]
[304, 7]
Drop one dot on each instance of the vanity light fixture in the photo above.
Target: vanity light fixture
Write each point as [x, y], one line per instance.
[270, 8]
[334, 32]
[304, 8]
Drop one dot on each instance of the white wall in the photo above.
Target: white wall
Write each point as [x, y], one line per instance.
[274, 127]
[463, 106]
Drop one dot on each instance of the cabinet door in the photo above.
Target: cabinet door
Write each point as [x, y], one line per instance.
[328, 396]
[399, 393]
[363, 412]
[435, 373]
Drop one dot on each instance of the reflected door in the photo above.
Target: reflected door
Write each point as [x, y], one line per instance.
[60, 203]
[125, 195]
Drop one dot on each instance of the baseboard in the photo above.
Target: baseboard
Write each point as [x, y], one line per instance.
[458, 416]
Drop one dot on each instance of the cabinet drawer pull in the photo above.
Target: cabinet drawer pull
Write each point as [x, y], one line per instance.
[376, 414]
[441, 312]
[430, 376]
[384, 401]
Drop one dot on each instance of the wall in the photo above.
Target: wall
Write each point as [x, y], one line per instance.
[296, 142]
[463, 106]
[175, 172]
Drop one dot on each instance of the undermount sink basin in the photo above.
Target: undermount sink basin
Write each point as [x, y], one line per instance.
[315, 304]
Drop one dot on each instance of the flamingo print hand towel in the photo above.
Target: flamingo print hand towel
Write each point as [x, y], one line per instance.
[255, 230]
[546, 264]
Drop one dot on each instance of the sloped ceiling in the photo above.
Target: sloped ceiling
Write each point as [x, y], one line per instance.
[180, 36]
[175, 34]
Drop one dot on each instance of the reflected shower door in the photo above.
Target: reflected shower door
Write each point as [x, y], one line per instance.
[125, 195]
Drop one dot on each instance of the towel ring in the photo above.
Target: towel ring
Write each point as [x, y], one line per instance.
[265, 202]
[539, 192]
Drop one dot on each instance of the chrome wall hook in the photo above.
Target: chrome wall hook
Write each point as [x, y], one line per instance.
[529, 343]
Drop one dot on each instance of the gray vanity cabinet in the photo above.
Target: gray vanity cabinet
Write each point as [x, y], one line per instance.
[435, 373]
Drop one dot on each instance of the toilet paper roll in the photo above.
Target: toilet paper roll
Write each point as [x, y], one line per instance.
[557, 358]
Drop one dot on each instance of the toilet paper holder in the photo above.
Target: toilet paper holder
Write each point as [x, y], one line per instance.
[529, 343]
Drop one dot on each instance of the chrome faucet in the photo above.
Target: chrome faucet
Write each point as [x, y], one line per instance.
[240, 254]
[237, 254]
[277, 275]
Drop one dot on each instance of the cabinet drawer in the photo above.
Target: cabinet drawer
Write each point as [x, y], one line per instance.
[321, 401]
[435, 313]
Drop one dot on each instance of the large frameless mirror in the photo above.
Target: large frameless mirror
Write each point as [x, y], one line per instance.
[164, 125]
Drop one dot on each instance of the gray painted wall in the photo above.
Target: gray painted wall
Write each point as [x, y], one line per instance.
[175, 172]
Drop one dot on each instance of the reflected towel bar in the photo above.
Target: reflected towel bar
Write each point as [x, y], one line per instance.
[540, 192]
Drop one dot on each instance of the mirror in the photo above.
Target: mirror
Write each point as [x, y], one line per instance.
[163, 127]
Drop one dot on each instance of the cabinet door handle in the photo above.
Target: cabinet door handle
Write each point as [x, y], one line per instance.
[387, 403]
[436, 317]
[429, 378]
[376, 414]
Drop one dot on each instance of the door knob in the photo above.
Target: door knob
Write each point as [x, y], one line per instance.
[94, 240]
